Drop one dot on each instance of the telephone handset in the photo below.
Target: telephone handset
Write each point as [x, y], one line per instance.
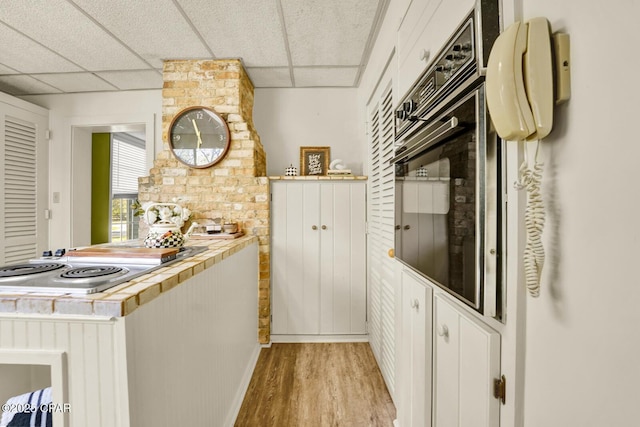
[520, 81]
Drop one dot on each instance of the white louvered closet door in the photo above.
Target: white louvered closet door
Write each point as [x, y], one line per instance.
[382, 289]
[23, 183]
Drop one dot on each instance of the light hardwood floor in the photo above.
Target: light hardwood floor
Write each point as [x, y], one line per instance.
[299, 385]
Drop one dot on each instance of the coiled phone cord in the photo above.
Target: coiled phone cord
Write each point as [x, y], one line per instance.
[531, 179]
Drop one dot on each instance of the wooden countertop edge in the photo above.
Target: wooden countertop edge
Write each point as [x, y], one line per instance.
[123, 299]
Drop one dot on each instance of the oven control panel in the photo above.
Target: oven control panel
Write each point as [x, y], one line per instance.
[456, 59]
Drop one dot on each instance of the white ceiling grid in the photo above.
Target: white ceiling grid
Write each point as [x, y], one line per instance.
[68, 46]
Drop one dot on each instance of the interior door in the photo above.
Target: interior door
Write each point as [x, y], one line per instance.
[383, 289]
[24, 229]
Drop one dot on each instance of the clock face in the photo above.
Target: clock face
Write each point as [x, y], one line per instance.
[199, 137]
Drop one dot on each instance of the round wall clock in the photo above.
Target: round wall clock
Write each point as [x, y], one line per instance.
[199, 137]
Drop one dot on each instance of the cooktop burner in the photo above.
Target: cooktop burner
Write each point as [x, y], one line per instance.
[79, 275]
[26, 269]
[91, 271]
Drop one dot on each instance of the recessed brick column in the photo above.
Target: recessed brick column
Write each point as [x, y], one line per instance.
[236, 188]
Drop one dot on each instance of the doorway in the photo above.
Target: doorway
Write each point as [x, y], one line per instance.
[83, 194]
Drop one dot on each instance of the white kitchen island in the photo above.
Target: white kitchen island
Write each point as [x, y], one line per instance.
[173, 347]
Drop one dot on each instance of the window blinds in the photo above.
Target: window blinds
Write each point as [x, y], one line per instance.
[128, 162]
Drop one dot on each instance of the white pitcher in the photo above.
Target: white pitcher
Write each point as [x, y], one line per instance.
[165, 233]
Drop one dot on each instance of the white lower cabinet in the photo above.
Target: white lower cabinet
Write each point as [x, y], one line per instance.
[466, 359]
[448, 361]
[318, 257]
[414, 382]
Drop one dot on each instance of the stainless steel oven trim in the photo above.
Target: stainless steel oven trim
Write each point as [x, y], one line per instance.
[489, 207]
[427, 137]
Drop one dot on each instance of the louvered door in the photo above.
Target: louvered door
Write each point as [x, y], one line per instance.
[382, 289]
[23, 192]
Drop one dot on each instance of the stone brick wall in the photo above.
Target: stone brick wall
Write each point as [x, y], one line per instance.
[236, 188]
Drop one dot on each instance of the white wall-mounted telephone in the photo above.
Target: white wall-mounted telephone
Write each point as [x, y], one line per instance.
[520, 98]
[520, 80]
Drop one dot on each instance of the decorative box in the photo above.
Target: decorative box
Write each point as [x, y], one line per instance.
[291, 171]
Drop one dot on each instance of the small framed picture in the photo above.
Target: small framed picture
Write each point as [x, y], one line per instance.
[314, 160]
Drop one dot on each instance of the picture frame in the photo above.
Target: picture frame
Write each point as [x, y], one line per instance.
[314, 161]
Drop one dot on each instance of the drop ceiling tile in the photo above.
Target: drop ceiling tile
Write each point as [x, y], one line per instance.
[25, 55]
[248, 29]
[154, 29]
[128, 80]
[328, 32]
[24, 85]
[325, 76]
[76, 82]
[270, 77]
[61, 27]
[7, 70]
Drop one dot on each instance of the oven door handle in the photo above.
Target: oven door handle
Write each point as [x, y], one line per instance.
[429, 139]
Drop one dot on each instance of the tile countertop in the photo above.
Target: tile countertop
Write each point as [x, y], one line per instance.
[124, 298]
[319, 178]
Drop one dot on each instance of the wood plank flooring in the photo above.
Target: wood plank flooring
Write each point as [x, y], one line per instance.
[324, 384]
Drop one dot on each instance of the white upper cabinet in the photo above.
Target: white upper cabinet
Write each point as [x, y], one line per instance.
[318, 258]
[423, 31]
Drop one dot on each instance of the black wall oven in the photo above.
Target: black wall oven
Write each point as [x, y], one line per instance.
[448, 163]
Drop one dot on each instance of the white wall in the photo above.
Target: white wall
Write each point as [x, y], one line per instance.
[583, 345]
[287, 119]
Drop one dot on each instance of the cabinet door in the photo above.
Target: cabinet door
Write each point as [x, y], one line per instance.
[466, 360]
[414, 382]
[342, 258]
[295, 253]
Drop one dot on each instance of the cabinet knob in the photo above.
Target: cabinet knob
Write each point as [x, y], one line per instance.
[391, 252]
[415, 304]
[407, 227]
[443, 331]
[314, 227]
[324, 227]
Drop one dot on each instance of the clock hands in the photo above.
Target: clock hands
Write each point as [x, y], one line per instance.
[195, 126]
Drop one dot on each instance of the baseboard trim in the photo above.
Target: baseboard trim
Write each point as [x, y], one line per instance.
[244, 386]
[318, 338]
